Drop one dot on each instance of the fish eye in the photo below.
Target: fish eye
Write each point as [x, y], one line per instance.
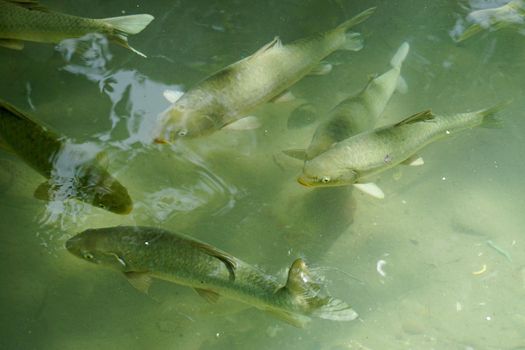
[88, 256]
[325, 179]
[183, 132]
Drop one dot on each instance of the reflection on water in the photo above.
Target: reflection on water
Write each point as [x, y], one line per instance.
[417, 266]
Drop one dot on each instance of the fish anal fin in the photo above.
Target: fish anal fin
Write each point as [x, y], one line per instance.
[141, 281]
[371, 189]
[296, 153]
[12, 44]
[211, 296]
[276, 42]
[413, 160]
[418, 117]
[228, 260]
[296, 320]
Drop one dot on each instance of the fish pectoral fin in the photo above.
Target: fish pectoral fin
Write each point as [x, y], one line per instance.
[418, 117]
[286, 96]
[276, 42]
[247, 123]
[296, 320]
[13, 110]
[228, 260]
[12, 44]
[4, 146]
[44, 191]
[141, 281]
[322, 68]
[353, 42]
[401, 85]
[102, 159]
[172, 95]
[211, 296]
[29, 4]
[414, 160]
[297, 153]
[371, 189]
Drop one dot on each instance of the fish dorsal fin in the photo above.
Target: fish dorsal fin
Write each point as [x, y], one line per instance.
[276, 42]
[418, 117]
[228, 260]
[209, 295]
[300, 283]
[139, 280]
[29, 4]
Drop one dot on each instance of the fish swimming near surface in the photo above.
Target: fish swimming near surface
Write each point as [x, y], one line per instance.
[224, 98]
[357, 113]
[26, 20]
[71, 173]
[354, 160]
[510, 14]
[143, 253]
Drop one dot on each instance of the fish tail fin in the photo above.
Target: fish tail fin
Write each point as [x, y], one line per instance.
[307, 298]
[361, 17]
[400, 55]
[127, 25]
[489, 116]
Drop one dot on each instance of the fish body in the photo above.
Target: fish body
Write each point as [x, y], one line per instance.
[360, 112]
[229, 94]
[27, 21]
[358, 157]
[70, 172]
[142, 253]
[512, 13]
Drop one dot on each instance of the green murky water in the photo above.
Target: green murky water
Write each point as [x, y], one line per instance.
[438, 264]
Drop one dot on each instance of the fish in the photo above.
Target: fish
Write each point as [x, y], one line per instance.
[510, 14]
[227, 96]
[71, 171]
[143, 253]
[357, 113]
[353, 160]
[27, 20]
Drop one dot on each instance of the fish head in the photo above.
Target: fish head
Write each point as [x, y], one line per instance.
[318, 176]
[95, 246]
[184, 123]
[104, 191]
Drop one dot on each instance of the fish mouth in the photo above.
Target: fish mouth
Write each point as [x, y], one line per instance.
[303, 182]
[160, 141]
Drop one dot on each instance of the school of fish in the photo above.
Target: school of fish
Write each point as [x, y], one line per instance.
[347, 148]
